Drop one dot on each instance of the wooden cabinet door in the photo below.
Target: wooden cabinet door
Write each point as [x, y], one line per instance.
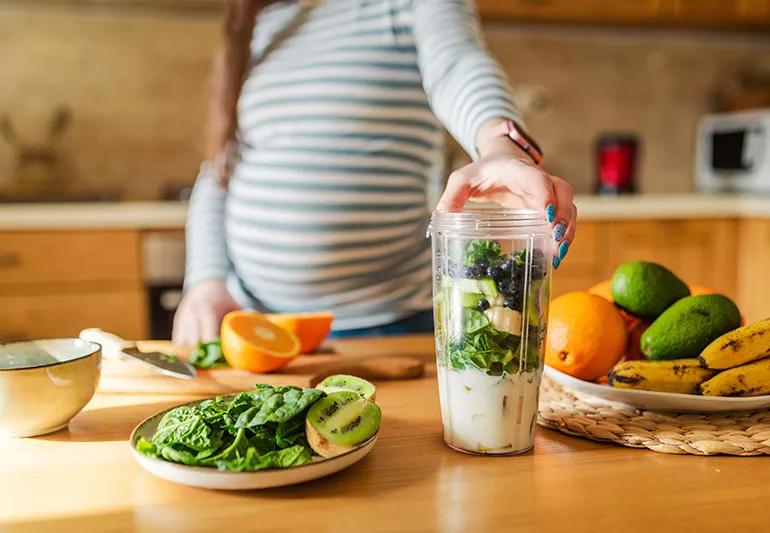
[35, 316]
[754, 269]
[724, 13]
[586, 261]
[587, 11]
[55, 257]
[701, 252]
[55, 283]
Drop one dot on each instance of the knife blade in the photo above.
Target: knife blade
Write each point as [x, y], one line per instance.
[116, 347]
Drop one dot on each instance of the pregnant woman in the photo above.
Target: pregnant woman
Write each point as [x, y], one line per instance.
[325, 130]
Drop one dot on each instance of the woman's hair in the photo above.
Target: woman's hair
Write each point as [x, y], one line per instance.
[230, 64]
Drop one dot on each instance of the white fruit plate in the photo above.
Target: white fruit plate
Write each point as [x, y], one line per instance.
[659, 401]
[211, 478]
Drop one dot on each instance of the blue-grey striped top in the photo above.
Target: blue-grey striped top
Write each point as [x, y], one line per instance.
[340, 126]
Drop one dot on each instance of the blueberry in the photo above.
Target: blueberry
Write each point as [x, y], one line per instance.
[512, 303]
[506, 265]
[496, 273]
[482, 264]
[483, 305]
[470, 272]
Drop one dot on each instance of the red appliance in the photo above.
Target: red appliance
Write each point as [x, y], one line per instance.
[617, 155]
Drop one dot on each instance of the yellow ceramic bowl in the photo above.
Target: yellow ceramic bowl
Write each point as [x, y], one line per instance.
[44, 383]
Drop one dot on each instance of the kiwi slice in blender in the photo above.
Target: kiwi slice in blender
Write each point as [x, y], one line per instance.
[342, 382]
[341, 421]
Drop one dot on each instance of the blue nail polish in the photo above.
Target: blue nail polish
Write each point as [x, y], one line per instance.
[558, 231]
[563, 249]
[550, 213]
[556, 263]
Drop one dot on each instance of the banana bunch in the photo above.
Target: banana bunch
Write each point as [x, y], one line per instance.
[752, 379]
[740, 346]
[675, 375]
[745, 353]
[735, 364]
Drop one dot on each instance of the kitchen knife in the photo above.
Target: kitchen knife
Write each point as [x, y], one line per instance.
[115, 347]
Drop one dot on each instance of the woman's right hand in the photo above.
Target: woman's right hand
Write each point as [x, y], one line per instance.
[200, 312]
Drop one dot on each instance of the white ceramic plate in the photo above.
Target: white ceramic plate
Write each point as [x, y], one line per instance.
[659, 401]
[211, 478]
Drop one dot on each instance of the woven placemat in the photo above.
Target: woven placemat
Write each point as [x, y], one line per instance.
[743, 433]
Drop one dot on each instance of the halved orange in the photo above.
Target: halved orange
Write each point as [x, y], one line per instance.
[310, 328]
[251, 342]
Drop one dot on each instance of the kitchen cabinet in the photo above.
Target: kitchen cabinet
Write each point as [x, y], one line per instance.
[63, 314]
[702, 252]
[54, 283]
[754, 268]
[728, 255]
[52, 257]
[718, 14]
[585, 263]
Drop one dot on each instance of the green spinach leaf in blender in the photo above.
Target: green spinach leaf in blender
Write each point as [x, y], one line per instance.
[479, 344]
[481, 250]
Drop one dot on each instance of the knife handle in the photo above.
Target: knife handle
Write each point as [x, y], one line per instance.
[112, 345]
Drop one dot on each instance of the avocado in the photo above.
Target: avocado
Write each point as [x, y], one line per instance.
[688, 326]
[646, 289]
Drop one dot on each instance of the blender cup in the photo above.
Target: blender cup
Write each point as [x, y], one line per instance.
[491, 287]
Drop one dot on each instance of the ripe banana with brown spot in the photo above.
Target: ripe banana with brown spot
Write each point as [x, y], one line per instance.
[738, 347]
[752, 379]
[675, 375]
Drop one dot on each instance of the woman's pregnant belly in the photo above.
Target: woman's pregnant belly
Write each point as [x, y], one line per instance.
[309, 228]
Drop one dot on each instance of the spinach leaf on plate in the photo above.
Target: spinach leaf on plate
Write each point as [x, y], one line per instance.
[264, 428]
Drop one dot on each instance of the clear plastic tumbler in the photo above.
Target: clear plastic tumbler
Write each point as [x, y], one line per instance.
[491, 287]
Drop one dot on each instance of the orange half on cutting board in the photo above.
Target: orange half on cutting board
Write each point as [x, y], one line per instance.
[310, 328]
[252, 342]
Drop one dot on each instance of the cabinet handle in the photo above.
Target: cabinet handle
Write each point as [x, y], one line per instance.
[9, 259]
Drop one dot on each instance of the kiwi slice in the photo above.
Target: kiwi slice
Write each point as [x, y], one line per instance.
[340, 421]
[350, 383]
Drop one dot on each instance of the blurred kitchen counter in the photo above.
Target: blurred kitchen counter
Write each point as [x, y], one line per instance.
[672, 206]
[93, 216]
[171, 215]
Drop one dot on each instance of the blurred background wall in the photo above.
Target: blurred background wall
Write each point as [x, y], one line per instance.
[134, 80]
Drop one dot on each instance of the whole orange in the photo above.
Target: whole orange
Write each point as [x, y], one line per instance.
[603, 289]
[696, 290]
[586, 335]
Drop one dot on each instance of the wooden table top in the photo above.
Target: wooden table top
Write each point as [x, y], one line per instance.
[84, 479]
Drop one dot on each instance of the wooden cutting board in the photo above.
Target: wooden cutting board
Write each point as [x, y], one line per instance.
[130, 377]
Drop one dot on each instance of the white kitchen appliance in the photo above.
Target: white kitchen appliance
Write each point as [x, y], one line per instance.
[733, 152]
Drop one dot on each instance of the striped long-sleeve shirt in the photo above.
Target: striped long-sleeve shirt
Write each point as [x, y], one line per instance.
[340, 127]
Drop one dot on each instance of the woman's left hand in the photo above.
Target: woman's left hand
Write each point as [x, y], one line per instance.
[507, 177]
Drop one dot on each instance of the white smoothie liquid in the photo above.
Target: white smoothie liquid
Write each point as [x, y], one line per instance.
[488, 414]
